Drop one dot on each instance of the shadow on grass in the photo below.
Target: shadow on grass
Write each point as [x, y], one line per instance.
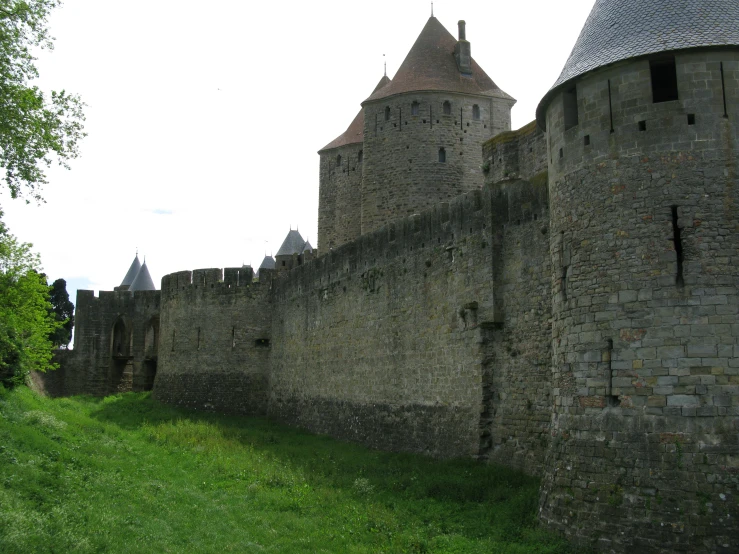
[477, 500]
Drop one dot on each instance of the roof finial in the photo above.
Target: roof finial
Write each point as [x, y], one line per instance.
[384, 61]
[432, 9]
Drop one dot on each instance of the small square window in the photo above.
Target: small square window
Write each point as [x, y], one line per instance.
[642, 125]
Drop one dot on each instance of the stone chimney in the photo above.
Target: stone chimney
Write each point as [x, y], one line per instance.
[463, 51]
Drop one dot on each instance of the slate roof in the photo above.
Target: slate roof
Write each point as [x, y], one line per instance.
[307, 247]
[143, 280]
[355, 131]
[132, 272]
[431, 65]
[267, 263]
[293, 244]
[618, 30]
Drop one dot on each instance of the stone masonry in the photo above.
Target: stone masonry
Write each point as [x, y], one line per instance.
[561, 298]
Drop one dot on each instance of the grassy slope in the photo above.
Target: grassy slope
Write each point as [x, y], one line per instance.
[125, 474]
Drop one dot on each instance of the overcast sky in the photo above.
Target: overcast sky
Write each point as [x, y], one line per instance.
[204, 118]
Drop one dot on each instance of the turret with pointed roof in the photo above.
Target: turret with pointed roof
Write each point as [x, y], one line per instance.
[340, 183]
[143, 280]
[133, 270]
[137, 277]
[416, 142]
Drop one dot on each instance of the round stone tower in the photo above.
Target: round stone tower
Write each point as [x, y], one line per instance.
[423, 132]
[644, 196]
[340, 184]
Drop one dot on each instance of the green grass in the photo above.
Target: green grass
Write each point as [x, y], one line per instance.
[125, 474]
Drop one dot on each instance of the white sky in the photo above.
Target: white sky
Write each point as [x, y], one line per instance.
[204, 118]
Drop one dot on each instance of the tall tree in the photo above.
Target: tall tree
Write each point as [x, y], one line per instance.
[26, 318]
[63, 310]
[35, 129]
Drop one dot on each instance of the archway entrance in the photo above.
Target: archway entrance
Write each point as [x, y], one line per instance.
[151, 348]
[121, 361]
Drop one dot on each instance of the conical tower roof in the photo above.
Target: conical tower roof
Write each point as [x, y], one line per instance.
[307, 247]
[267, 263]
[132, 272]
[143, 280]
[431, 65]
[618, 30]
[293, 244]
[355, 131]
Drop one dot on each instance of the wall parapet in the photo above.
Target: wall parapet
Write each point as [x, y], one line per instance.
[214, 280]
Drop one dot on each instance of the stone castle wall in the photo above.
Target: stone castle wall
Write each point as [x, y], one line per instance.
[114, 345]
[214, 349]
[340, 190]
[645, 269]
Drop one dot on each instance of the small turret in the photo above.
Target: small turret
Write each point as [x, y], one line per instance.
[130, 274]
[143, 280]
[463, 51]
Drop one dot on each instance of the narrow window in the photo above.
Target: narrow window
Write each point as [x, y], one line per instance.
[173, 337]
[610, 104]
[387, 113]
[283, 263]
[664, 79]
[691, 119]
[414, 108]
[233, 337]
[723, 89]
[442, 155]
[475, 112]
[677, 240]
[198, 338]
[338, 160]
[642, 125]
[611, 399]
[565, 271]
[447, 108]
[586, 140]
[360, 156]
[569, 102]
[561, 153]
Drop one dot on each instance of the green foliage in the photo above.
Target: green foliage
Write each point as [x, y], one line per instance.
[125, 474]
[25, 319]
[63, 311]
[33, 126]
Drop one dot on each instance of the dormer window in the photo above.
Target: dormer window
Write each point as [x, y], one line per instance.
[447, 108]
[414, 108]
[387, 113]
[476, 112]
[442, 155]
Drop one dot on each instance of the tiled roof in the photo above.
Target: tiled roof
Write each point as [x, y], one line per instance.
[267, 263]
[293, 244]
[307, 247]
[618, 30]
[355, 131]
[431, 65]
[143, 280]
[132, 272]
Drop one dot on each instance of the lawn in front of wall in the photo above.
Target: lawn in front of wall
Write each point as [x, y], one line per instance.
[126, 474]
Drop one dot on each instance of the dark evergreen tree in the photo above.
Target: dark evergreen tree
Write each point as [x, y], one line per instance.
[63, 312]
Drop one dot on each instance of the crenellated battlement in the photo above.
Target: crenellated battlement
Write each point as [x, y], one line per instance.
[231, 280]
[438, 228]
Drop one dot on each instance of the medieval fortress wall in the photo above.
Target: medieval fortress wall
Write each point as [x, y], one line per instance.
[214, 344]
[561, 298]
